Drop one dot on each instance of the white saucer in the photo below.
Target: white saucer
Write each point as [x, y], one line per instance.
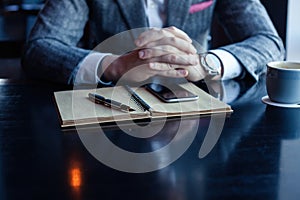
[266, 100]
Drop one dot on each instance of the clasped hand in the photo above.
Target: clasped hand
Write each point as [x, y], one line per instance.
[167, 52]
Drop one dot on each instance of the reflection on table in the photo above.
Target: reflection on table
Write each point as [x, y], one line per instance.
[255, 157]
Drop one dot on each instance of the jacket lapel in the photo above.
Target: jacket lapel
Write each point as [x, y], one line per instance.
[177, 12]
[133, 12]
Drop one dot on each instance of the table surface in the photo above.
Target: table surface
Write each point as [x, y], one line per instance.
[255, 155]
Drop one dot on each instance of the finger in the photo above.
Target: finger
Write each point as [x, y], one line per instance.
[180, 73]
[176, 59]
[179, 33]
[151, 35]
[158, 51]
[178, 43]
[149, 53]
[164, 69]
[154, 34]
[159, 66]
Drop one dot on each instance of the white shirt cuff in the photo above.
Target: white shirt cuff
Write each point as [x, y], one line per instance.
[231, 67]
[88, 67]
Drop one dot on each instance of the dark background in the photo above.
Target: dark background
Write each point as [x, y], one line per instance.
[277, 10]
[18, 16]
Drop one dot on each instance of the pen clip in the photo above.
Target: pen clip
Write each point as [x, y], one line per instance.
[137, 98]
[98, 99]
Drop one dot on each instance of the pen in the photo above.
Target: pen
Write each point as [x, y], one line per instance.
[109, 103]
[138, 98]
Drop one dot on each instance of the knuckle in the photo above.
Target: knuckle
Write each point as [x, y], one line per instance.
[173, 39]
[173, 58]
[161, 31]
[153, 30]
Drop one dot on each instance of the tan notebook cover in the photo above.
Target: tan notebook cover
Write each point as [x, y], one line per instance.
[76, 109]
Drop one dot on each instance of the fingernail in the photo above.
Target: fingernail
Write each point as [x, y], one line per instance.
[141, 54]
[182, 72]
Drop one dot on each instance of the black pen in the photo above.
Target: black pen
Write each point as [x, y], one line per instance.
[109, 103]
[138, 98]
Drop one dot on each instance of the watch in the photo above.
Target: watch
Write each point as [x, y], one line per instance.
[211, 63]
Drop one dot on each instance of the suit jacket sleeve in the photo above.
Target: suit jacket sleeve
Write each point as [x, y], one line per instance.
[51, 51]
[255, 41]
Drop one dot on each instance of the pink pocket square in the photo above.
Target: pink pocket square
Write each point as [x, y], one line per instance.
[200, 6]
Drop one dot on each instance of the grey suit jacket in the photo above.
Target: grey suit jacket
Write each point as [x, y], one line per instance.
[52, 51]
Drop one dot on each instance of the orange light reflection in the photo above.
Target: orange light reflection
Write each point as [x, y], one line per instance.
[76, 177]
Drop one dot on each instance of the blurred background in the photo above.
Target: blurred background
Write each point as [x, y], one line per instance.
[293, 31]
[18, 16]
[16, 20]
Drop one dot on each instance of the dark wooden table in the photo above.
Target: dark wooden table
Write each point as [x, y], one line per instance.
[255, 157]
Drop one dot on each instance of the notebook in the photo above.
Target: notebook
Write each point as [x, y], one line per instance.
[75, 108]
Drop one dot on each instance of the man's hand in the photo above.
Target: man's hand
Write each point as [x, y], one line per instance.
[171, 49]
[166, 52]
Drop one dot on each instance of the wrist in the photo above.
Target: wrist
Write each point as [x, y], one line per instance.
[106, 70]
[211, 65]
